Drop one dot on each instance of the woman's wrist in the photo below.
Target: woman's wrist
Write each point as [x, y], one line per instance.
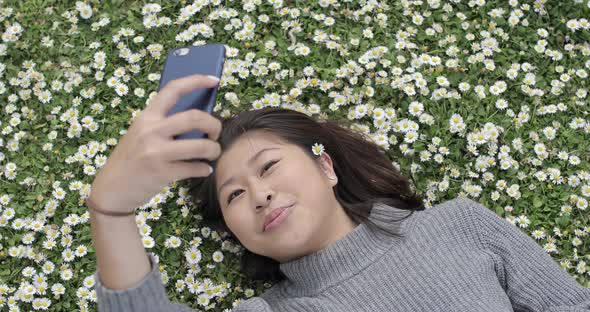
[92, 206]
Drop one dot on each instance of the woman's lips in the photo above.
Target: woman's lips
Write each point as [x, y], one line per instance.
[279, 219]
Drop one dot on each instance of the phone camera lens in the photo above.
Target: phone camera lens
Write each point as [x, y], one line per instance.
[181, 52]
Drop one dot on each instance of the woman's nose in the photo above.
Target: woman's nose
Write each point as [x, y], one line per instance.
[267, 201]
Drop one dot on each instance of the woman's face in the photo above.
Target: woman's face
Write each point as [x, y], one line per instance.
[281, 175]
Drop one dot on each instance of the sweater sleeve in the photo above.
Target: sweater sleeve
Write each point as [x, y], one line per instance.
[148, 295]
[254, 304]
[532, 279]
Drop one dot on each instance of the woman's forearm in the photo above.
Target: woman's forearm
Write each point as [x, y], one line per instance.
[121, 259]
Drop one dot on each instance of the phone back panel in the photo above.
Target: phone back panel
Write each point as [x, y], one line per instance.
[207, 60]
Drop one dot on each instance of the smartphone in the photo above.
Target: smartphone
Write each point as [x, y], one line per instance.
[207, 60]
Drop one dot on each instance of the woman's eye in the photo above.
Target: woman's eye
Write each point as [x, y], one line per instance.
[266, 167]
[269, 164]
[230, 197]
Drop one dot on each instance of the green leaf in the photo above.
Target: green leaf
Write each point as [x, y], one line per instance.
[499, 211]
[537, 202]
[562, 221]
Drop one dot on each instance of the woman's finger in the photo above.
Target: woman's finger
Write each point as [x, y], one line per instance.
[181, 170]
[175, 150]
[169, 95]
[186, 121]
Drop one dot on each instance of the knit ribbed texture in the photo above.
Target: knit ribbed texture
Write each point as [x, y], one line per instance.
[455, 256]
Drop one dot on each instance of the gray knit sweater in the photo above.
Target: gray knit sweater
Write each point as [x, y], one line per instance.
[454, 256]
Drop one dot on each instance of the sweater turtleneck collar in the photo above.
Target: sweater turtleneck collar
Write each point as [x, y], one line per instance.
[339, 261]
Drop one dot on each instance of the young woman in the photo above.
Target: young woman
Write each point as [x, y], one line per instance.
[323, 215]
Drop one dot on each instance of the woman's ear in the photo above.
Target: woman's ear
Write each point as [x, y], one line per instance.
[327, 167]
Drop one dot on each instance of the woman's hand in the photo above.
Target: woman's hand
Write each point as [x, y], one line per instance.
[148, 158]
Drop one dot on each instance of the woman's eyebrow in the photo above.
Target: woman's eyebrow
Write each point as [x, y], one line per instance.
[250, 162]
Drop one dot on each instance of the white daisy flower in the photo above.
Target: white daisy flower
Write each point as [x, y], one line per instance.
[317, 149]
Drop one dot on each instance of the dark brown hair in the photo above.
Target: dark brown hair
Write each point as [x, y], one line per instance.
[365, 174]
